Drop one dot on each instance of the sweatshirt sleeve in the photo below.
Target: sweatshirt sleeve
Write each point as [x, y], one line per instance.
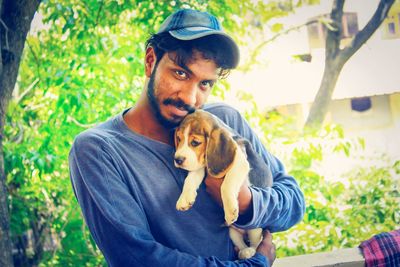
[115, 217]
[277, 208]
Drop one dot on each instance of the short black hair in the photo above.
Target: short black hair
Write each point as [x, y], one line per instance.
[209, 46]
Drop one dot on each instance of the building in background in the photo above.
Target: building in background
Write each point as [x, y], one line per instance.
[366, 100]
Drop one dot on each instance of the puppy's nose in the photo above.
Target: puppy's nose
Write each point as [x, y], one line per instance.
[179, 160]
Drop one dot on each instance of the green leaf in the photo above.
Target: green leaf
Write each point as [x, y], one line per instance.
[277, 27]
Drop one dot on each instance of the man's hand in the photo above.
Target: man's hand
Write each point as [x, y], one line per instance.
[267, 248]
[214, 189]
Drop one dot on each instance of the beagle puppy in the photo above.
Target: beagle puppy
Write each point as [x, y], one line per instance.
[203, 144]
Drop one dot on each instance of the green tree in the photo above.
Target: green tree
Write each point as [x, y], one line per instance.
[84, 66]
[341, 211]
[15, 20]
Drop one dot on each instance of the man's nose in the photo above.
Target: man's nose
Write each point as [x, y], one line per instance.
[189, 95]
[179, 160]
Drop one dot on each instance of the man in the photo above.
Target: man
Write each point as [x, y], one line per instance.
[123, 173]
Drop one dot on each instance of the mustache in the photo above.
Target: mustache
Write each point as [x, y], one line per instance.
[179, 104]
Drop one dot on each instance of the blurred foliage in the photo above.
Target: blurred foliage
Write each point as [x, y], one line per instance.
[341, 214]
[341, 211]
[85, 65]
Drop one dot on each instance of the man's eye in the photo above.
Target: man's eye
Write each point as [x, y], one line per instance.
[195, 143]
[207, 84]
[181, 74]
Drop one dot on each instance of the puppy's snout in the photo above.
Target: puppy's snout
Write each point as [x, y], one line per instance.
[179, 160]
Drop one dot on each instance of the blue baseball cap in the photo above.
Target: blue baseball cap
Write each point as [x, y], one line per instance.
[189, 24]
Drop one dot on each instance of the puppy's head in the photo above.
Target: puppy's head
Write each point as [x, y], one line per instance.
[191, 141]
[201, 141]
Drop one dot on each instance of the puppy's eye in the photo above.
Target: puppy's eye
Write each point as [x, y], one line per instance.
[195, 143]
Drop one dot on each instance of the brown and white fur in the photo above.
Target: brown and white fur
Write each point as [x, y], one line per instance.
[203, 144]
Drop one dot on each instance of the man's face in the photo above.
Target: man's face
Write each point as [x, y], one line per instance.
[173, 91]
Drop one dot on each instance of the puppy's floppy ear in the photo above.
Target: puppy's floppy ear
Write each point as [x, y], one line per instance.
[176, 138]
[179, 130]
[220, 152]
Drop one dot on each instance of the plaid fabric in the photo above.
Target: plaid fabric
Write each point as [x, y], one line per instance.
[382, 250]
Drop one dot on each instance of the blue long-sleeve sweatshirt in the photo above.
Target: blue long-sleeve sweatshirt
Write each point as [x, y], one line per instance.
[127, 187]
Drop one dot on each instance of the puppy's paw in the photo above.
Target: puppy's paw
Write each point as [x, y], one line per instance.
[231, 210]
[231, 215]
[247, 253]
[186, 201]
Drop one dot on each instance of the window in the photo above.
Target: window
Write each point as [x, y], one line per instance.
[361, 104]
[391, 28]
[391, 25]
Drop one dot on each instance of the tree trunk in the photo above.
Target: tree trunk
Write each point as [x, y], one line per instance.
[15, 21]
[320, 106]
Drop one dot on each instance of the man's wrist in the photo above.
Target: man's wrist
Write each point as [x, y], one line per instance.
[247, 215]
[245, 199]
[263, 258]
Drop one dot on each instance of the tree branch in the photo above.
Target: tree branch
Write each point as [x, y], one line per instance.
[332, 43]
[98, 13]
[75, 121]
[5, 34]
[35, 57]
[256, 50]
[19, 97]
[369, 29]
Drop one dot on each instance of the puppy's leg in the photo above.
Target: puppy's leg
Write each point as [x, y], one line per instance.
[230, 188]
[229, 195]
[189, 191]
[255, 238]
[236, 236]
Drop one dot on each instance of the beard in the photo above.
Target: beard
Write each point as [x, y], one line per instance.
[156, 105]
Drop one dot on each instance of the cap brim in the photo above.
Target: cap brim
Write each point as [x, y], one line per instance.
[193, 33]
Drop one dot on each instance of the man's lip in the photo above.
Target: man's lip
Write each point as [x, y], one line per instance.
[178, 112]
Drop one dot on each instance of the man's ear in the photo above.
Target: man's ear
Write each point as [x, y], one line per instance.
[150, 61]
[220, 152]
